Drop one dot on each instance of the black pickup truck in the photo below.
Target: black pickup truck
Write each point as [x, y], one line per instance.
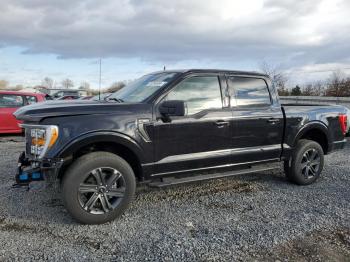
[172, 127]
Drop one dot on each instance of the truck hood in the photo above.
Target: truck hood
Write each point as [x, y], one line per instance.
[39, 111]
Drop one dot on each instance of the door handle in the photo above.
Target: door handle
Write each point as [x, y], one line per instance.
[221, 123]
[273, 121]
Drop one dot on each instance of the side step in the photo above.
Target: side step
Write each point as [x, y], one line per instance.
[169, 181]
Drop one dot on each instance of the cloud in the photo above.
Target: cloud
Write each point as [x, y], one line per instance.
[289, 32]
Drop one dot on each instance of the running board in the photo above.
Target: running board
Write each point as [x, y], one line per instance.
[169, 181]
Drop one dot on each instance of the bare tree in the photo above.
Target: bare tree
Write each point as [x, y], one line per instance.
[3, 84]
[282, 91]
[116, 87]
[315, 88]
[338, 85]
[67, 83]
[318, 88]
[47, 82]
[84, 86]
[308, 90]
[276, 75]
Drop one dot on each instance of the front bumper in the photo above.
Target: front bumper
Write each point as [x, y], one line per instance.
[29, 170]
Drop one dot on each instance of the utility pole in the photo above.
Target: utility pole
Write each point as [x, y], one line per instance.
[99, 85]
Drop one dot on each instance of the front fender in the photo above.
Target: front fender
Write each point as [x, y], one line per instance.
[101, 136]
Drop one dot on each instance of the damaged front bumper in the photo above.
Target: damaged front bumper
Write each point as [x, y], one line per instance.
[29, 170]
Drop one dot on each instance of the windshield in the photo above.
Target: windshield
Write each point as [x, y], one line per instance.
[101, 96]
[142, 88]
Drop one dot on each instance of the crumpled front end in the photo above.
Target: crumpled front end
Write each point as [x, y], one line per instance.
[32, 164]
[30, 170]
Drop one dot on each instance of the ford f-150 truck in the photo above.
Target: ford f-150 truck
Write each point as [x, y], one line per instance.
[172, 127]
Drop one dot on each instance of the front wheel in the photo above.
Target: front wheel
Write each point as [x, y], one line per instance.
[98, 187]
[306, 163]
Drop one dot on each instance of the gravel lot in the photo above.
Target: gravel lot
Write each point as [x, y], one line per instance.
[251, 217]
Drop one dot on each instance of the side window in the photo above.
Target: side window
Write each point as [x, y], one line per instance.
[31, 100]
[11, 101]
[199, 93]
[250, 91]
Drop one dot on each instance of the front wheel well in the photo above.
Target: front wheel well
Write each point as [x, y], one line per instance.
[318, 136]
[115, 148]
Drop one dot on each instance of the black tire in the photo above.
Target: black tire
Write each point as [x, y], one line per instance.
[302, 169]
[77, 183]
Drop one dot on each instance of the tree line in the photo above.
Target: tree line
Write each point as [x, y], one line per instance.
[67, 83]
[337, 84]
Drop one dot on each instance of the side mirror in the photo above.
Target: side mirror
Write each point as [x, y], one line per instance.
[172, 108]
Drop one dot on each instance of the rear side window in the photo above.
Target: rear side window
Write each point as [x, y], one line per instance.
[250, 91]
[31, 100]
[199, 93]
[11, 101]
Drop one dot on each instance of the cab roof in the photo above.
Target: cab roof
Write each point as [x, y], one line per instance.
[222, 71]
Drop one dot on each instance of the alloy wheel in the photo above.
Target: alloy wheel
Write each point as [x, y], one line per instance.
[310, 163]
[102, 190]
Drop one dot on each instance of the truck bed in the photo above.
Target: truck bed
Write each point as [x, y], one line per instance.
[298, 116]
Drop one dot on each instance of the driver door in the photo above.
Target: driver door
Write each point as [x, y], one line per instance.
[201, 138]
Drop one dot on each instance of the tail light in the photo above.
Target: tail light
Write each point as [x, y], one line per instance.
[343, 121]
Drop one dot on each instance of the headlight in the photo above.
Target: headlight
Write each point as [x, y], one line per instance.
[41, 138]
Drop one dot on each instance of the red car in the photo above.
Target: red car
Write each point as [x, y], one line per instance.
[10, 101]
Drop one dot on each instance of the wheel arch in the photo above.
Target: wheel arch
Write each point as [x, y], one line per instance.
[113, 142]
[315, 131]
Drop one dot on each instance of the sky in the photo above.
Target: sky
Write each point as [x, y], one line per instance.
[65, 39]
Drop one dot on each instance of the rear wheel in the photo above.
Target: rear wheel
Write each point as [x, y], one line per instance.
[306, 163]
[98, 187]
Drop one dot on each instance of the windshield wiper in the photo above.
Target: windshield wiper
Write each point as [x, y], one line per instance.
[119, 100]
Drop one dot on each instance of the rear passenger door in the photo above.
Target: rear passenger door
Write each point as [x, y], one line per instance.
[258, 128]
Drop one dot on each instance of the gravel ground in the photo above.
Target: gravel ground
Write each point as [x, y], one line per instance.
[252, 218]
